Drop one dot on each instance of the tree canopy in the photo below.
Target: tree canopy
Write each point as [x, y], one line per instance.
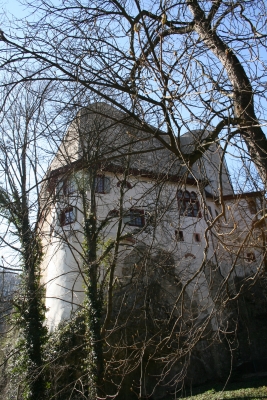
[163, 68]
[175, 65]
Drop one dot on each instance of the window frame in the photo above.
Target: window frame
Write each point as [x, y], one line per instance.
[105, 184]
[188, 203]
[62, 216]
[252, 207]
[69, 186]
[179, 235]
[250, 257]
[133, 219]
[197, 237]
[66, 186]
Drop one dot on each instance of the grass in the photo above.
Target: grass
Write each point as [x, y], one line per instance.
[250, 389]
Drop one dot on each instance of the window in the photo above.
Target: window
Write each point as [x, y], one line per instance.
[197, 237]
[69, 186]
[135, 217]
[181, 201]
[188, 204]
[250, 257]
[66, 186]
[102, 184]
[252, 207]
[194, 205]
[67, 216]
[179, 236]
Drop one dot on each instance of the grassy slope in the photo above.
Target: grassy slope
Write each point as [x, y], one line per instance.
[249, 389]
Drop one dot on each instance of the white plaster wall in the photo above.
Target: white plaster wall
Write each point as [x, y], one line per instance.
[63, 277]
[96, 134]
[64, 284]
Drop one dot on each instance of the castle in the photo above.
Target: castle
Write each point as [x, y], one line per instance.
[146, 200]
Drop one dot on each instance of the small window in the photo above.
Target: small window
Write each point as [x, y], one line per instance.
[197, 237]
[250, 257]
[135, 217]
[181, 202]
[179, 236]
[252, 207]
[188, 204]
[194, 205]
[67, 216]
[102, 184]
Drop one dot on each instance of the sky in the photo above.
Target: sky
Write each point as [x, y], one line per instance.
[14, 7]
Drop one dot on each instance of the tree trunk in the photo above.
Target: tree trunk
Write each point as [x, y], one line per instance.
[242, 89]
[95, 304]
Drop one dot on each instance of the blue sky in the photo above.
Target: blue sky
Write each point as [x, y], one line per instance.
[14, 7]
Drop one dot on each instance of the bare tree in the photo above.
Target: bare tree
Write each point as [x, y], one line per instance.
[22, 127]
[170, 68]
[88, 166]
[158, 261]
[173, 65]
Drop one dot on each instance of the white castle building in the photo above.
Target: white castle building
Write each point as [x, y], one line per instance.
[145, 197]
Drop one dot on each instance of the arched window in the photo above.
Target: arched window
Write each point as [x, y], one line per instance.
[180, 198]
[102, 184]
[134, 217]
[194, 204]
[188, 204]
